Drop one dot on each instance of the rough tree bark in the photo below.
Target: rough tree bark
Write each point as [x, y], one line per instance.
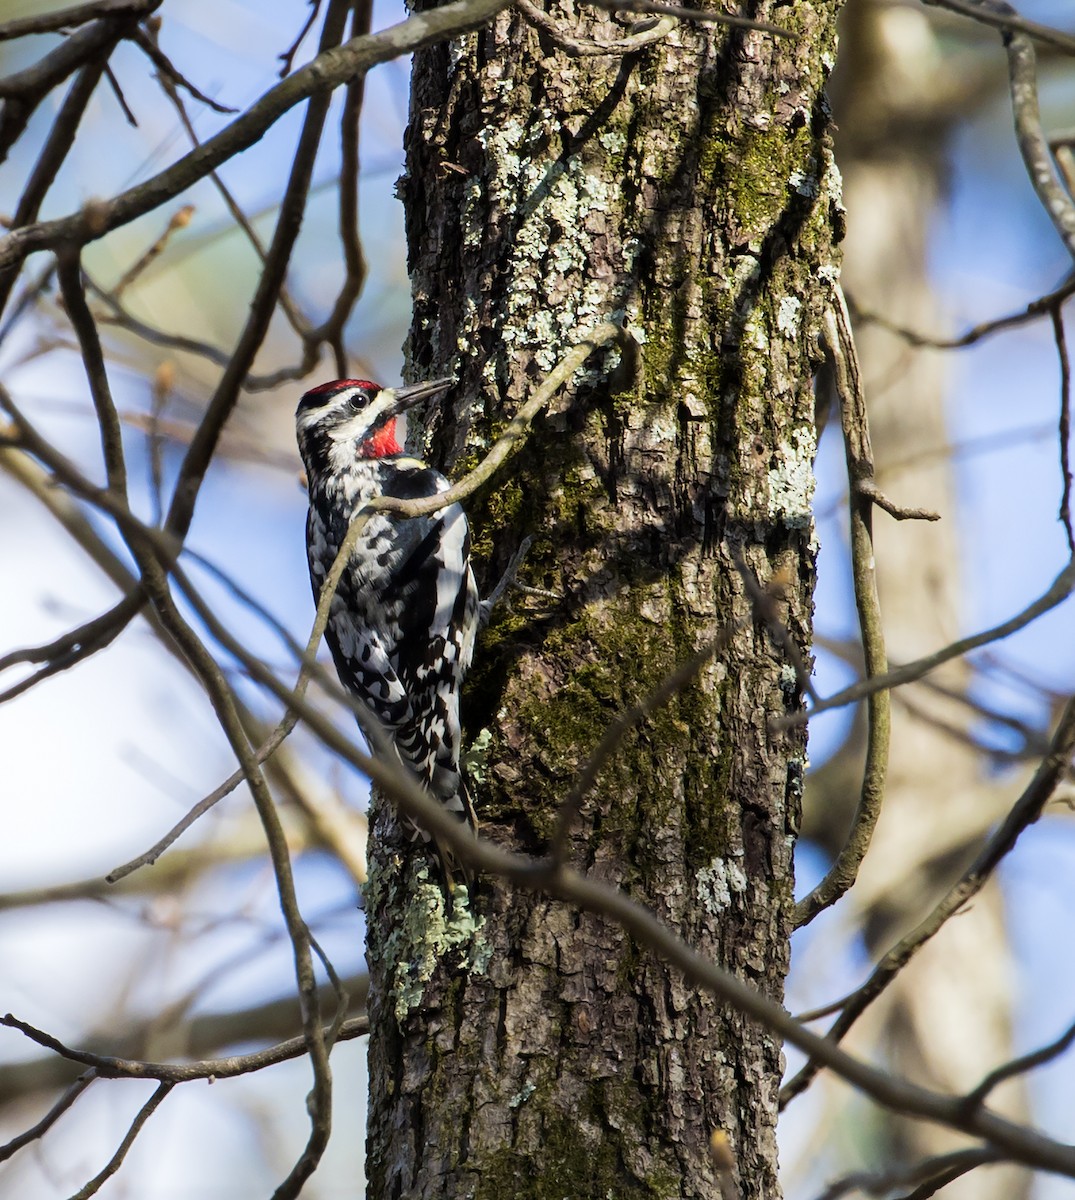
[519, 1047]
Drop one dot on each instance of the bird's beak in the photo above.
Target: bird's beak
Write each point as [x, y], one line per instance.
[398, 400]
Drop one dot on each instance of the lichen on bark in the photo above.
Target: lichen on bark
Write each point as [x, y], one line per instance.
[687, 189]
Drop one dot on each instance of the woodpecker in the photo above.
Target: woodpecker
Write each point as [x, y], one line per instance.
[402, 623]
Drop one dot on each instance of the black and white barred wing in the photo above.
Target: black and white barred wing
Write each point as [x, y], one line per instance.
[435, 596]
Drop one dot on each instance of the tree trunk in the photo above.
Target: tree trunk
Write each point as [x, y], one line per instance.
[519, 1047]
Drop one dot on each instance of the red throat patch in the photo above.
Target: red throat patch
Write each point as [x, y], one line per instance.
[382, 443]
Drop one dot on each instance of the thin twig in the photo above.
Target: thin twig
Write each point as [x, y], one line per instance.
[512, 437]
[901, 512]
[941, 1166]
[1057, 592]
[28, 297]
[124, 318]
[327, 71]
[1041, 307]
[859, 454]
[1033, 144]
[288, 56]
[106, 1066]
[1005, 18]
[69, 273]
[146, 41]
[705, 15]
[70, 18]
[121, 99]
[203, 1036]
[339, 1019]
[826, 1010]
[72, 647]
[180, 219]
[1019, 1066]
[1064, 431]
[50, 1118]
[144, 1113]
[576, 47]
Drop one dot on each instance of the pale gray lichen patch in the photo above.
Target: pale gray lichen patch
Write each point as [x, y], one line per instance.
[787, 315]
[714, 885]
[804, 184]
[522, 1095]
[425, 934]
[476, 756]
[564, 206]
[791, 481]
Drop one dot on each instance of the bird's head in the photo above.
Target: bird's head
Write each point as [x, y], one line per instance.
[348, 418]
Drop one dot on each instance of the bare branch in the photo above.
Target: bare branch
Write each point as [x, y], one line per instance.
[1064, 431]
[512, 437]
[1036, 309]
[1004, 17]
[50, 1118]
[275, 1020]
[841, 875]
[867, 487]
[932, 1172]
[180, 219]
[147, 43]
[577, 47]
[71, 648]
[144, 1113]
[288, 56]
[107, 1067]
[121, 99]
[1033, 144]
[69, 273]
[1019, 1066]
[70, 18]
[708, 15]
[327, 71]
[1058, 591]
